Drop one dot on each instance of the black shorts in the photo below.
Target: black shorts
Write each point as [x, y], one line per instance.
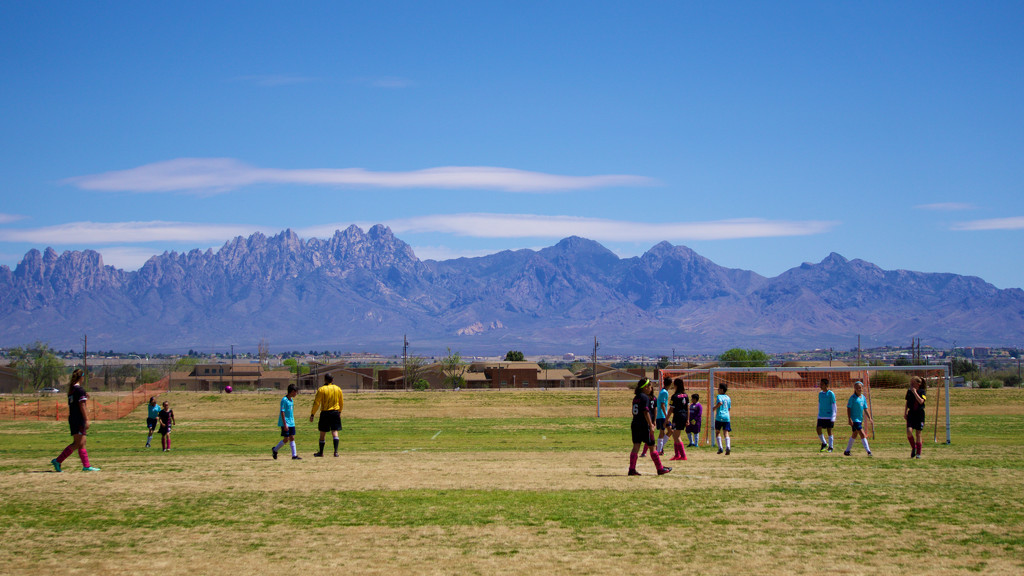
[678, 423]
[659, 423]
[165, 429]
[857, 426]
[330, 421]
[77, 426]
[719, 425]
[642, 434]
[287, 431]
[150, 423]
[826, 423]
[915, 424]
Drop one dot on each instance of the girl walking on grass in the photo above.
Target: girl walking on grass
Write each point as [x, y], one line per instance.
[78, 421]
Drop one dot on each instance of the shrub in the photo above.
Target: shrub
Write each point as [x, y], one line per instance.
[421, 385]
[886, 379]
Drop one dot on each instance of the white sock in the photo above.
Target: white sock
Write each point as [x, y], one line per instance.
[279, 444]
[830, 441]
[294, 451]
[849, 445]
[728, 443]
[865, 441]
[718, 441]
[661, 443]
[822, 437]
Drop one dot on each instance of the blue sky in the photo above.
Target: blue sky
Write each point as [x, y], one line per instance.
[762, 135]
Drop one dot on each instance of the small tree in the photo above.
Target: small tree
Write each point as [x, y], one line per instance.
[514, 356]
[743, 358]
[453, 369]
[414, 368]
[37, 366]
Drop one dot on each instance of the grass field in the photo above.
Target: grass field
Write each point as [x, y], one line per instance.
[506, 483]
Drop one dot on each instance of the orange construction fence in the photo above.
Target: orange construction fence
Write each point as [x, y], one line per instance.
[56, 407]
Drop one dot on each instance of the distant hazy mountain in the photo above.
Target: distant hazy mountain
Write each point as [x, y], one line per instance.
[363, 291]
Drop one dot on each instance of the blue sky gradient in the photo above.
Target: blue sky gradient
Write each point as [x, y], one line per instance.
[762, 135]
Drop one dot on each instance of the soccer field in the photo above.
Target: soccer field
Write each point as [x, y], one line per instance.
[505, 483]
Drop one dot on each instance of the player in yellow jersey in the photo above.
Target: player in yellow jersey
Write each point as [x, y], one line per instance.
[330, 401]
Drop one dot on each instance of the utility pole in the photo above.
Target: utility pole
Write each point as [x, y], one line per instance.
[405, 360]
[597, 384]
[85, 357]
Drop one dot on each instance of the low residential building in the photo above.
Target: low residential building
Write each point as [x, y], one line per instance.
[240, 376]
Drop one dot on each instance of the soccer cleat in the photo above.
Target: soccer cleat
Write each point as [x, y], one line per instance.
[913, 452]
[719, 450]
[846, 453]
[829, 448]
[664, 470]
[633, 472]
[918, 456]
[90, 469]
[318, 454]
[727, 451]
[335, 454]
[274, 451]
[56, 465]
[823, 447]
[296, 457]
[869, 453]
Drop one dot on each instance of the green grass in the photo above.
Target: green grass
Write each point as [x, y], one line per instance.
[436, 483]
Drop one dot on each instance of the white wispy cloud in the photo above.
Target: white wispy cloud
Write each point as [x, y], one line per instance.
[447, 253]
[8, 218]
[947, 206]
[91, 233]
[542, 226]
[127, 257]
[1011, 223]
[224, 174]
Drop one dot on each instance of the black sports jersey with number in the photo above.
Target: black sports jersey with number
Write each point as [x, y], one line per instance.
[76, 395]
[642, 402]
[679, 404]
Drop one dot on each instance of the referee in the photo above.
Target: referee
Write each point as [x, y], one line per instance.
[330, 401]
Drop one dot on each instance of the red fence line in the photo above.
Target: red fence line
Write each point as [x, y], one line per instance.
[50, 408]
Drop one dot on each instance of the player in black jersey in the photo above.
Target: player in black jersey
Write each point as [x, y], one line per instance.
[678, 412]
[913, 412]
[643, 427]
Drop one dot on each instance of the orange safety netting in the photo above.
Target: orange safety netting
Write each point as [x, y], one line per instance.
[56, 407]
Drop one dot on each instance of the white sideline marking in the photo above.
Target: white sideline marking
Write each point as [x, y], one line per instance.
[434, 437]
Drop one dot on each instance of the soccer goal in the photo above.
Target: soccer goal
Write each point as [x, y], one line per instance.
[771, 405]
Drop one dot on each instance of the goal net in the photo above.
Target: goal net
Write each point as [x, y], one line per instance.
[780, 405]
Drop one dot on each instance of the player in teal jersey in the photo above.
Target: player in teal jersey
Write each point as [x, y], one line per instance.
[286, 422]
[723, 423]
[152, 412]
[826, 415]
[856, 410]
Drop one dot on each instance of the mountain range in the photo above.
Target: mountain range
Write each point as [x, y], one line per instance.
[363, 291]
